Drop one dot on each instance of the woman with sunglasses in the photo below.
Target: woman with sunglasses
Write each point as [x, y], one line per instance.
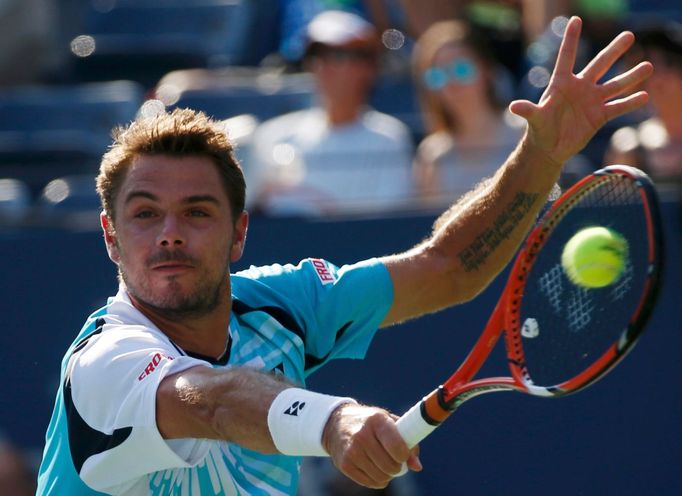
[468, 132]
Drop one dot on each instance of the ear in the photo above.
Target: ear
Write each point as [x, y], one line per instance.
[109, 237]
[239, 238]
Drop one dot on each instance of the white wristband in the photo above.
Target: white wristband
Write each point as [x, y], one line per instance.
[297, 418]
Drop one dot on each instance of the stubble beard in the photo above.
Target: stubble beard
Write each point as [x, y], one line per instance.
[176, 303]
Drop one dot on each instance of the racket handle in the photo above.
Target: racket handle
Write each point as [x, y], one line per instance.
[413, 428]
[422, 419]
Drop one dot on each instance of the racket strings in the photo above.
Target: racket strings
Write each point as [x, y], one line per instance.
[564, 328]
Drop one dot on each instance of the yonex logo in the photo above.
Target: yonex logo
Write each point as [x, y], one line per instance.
[295, 407]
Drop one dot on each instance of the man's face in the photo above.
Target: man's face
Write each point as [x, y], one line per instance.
[665, 84]
[173, 238]
[341, 71]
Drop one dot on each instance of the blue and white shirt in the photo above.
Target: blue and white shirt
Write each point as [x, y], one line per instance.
[103, 439]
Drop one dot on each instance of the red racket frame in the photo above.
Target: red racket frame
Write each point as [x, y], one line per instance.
[441, 402]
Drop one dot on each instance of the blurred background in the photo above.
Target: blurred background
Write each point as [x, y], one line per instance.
[354, 132]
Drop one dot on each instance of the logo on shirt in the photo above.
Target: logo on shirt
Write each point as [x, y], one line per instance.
[322, 270]
[295, 407]
[153, 364]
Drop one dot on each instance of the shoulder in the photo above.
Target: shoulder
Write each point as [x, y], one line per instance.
[119, 341]
[285, 125]
[257, 279]
[118, 350]
[297, 284]
[434, 146]
[385, 125]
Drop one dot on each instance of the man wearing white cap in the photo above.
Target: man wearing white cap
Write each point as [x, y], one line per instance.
[340, 156]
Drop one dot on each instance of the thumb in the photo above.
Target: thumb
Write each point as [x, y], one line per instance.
[523, 108]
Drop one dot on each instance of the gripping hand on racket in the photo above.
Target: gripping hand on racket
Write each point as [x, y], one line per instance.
[363, 444]
[575, 106]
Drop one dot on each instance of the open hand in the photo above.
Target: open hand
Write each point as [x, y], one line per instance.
[575, 106]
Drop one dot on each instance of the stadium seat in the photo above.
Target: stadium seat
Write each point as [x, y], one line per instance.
[224, 93]
[395, 94]
[72, 193]
[69, 202]
[49, 131]
[144, 39]
[15, 200]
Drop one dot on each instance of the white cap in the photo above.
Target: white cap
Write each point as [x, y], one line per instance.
[339, 28]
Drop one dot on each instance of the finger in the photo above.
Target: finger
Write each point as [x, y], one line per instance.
[569, 47]
[388, 452]
[361, 477]
[413, 461]
[523, 108]
[608, 56]
[625, 82]
[359, 466]
[616, 108]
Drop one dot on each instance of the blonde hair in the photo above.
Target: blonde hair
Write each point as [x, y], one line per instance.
[437, 36]
[183, 132]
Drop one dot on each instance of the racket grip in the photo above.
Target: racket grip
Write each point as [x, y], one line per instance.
[413, 428]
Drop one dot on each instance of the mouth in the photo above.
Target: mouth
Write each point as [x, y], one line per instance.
[171, 267]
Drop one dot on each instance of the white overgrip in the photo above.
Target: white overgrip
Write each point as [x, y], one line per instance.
[413, 428]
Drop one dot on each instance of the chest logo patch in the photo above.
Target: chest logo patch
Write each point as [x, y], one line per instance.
[322, 270]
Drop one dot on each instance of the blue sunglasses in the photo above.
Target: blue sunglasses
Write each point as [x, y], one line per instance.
[461, 70]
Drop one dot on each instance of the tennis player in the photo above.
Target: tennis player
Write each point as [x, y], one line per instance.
[191, 379]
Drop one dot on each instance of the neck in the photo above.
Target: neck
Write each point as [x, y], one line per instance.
[478, 126]
[670, 118]
[204, 334]
[341, 111]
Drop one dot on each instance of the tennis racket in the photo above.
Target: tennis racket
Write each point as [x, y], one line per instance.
[560, 337]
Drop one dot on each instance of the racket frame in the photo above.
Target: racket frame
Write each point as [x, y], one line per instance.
[434, 408]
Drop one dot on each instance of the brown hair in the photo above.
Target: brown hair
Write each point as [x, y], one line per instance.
[183, 132]
[437, 36]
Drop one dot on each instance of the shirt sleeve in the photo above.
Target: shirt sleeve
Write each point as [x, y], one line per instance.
[110, 399]
[340, 308]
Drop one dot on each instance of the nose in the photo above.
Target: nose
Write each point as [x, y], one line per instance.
[171, 233]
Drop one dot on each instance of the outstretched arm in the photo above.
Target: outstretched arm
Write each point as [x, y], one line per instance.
[474, 240]
[237, 405]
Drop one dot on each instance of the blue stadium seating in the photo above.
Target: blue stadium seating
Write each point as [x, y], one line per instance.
[48, 131]
[15, 200]
[223, 93]
[228, 92]
[69, 202]
[70, 193]
[395, 94]
[142, 40]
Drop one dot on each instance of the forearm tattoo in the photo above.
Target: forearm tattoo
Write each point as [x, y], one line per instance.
[474, 255]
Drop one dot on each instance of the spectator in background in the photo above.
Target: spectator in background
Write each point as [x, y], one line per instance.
[341, 156]
[655, 145]
[468, 134]
[16, 476]
[295, 15]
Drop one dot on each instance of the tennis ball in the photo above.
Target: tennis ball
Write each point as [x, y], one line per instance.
[594, 257]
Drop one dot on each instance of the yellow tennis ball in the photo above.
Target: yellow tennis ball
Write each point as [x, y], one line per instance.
[594, 257]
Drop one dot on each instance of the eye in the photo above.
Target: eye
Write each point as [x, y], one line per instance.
[195, 212]
[144, 214]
